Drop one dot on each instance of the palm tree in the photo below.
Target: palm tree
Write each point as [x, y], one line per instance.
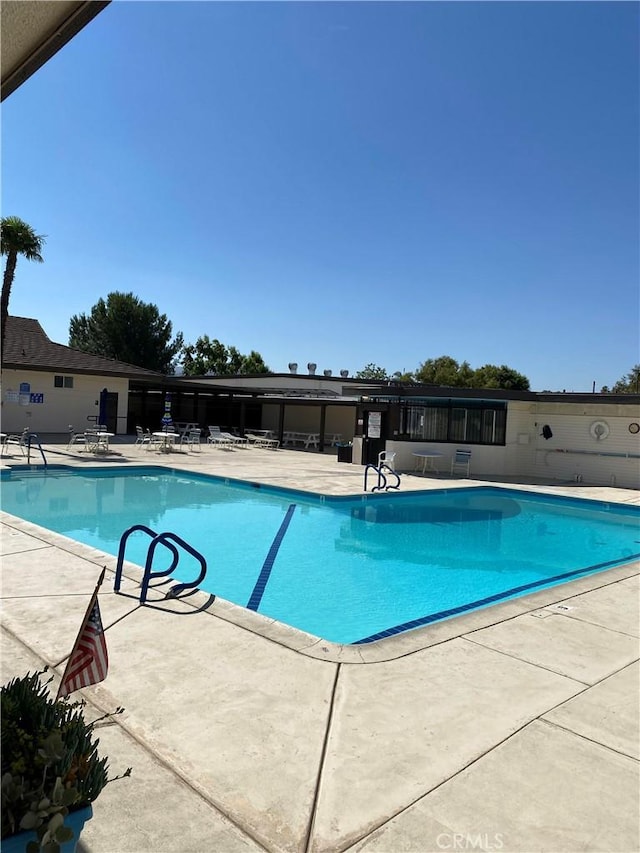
[18, 238]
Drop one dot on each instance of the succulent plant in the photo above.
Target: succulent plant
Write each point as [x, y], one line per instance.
[50, 762]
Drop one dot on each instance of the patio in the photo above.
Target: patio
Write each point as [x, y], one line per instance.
[513, 728]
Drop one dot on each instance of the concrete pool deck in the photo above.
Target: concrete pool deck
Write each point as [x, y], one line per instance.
[515, 728]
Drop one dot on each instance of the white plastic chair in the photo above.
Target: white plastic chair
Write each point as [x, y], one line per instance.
[462, 460]
[387, 457]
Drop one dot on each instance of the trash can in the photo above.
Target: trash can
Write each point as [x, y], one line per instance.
[345, 452]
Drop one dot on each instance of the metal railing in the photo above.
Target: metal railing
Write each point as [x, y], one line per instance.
[382, 484]
[30, 437]
[167, 539]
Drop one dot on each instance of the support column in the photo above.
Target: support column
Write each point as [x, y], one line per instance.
[281, 423]
[323, 420]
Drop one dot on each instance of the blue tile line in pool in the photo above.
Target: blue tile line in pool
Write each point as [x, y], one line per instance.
[455, 611]
[265, 572]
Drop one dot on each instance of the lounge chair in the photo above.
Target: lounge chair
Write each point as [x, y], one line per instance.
[235, 440]
[216, 437]
[262, 441]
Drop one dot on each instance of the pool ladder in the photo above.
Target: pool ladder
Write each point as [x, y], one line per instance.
[29, 439]
[169, 540]
[382, 477]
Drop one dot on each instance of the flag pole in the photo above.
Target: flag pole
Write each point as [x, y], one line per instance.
[82, 624]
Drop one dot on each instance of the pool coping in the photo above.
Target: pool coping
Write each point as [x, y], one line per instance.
[389, 648]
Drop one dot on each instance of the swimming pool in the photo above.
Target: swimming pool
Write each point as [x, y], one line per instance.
[347, 569]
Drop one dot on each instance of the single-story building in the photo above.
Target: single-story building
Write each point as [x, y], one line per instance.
[47, 386]
[578, 437]
[570, 437]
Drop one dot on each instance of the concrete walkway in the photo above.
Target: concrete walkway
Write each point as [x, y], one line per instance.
[514, 728]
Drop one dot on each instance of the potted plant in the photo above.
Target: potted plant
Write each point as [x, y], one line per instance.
[51, 771]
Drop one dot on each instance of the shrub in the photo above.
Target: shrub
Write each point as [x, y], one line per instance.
[50, 761]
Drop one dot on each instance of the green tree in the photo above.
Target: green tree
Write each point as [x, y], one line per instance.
[372, 371]
[401, 376]
[208, 356]
[629, 384]
[17, 238]
[445, 370]
[492, 376]
[127, 329]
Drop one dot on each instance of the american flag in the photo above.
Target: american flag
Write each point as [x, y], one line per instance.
[88, 662]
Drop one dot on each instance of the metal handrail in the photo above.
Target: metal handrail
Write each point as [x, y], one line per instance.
[30, 436]
[395, 474]
[179, 587]
[382, 480]
[158, 539]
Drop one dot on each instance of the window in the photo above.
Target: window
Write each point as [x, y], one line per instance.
[63, 381]
[429, 424]
[455, 421]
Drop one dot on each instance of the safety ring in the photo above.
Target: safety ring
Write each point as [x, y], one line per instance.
[599, 430]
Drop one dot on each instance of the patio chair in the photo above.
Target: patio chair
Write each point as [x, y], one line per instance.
[462, 460]
[387, 457]
[75, 437]
[96, 440]
[154, 441]
[14, 438]
[142, 437]
[191, 439]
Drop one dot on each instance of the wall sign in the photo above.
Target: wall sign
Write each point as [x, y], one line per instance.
[374, 424]
[25, 394]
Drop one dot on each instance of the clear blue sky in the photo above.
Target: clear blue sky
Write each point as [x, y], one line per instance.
[344, 183]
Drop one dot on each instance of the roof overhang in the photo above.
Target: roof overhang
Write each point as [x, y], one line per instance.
[32, 32]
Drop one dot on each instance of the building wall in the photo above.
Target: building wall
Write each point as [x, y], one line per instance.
[574, 453]
[60, 406]
[571, 454]
[339, 419]
[486, 461]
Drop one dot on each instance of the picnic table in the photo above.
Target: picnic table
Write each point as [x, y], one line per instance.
[307, 439]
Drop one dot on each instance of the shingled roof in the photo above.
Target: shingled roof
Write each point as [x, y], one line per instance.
[27, 347]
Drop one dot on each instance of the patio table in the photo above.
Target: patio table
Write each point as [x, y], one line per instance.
[97, 441]
[427, 457]
[166, 444]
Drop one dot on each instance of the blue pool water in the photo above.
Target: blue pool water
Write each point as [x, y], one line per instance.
[346, 569]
